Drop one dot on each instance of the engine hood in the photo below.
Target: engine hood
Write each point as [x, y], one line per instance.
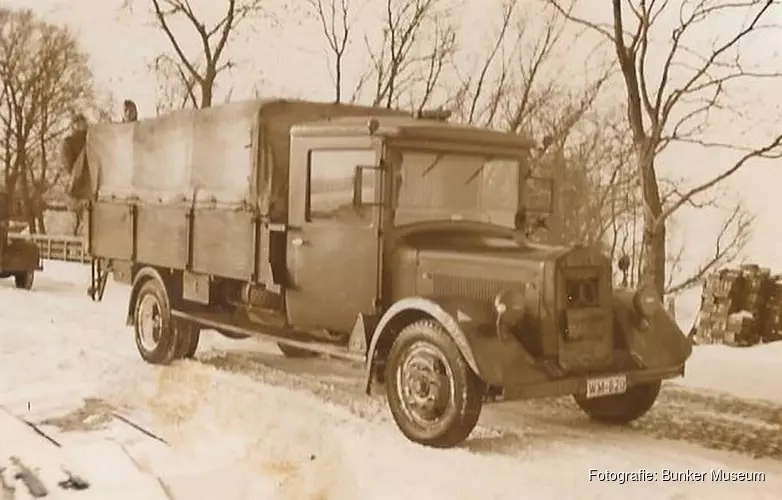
[479, 260]
[491, 255]
[471, 241]
[479, 265]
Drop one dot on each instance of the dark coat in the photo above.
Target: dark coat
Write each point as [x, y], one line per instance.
[75, 164]
[72, 146]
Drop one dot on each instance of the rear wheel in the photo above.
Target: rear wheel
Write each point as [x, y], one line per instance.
[434, 396]
[156, 340]
[621, 409]
[188, 335]
[24, 280]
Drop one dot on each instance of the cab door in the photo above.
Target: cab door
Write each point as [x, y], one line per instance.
[333, 236]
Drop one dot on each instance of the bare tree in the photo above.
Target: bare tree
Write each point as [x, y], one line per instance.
[175, 88]
[44, 78]
[673, 104]
[485, 85]
[418, 40]
[515, 84]
[732, 236]
[336, 21]
[198, 73]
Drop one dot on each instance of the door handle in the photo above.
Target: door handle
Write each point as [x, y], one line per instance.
[297, 242]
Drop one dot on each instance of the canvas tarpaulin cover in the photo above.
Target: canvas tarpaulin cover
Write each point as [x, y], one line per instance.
[187, 155]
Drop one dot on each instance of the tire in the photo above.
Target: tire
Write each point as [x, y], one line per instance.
[24, 280]
[188, 335]
[157, 342]
[295, 352]
[621, 409]
[444, 423]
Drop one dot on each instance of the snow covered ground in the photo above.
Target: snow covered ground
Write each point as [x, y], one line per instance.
[243, 422]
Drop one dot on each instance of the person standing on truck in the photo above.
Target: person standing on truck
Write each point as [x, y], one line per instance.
[75, 158]
[130, 113]
[73, 144]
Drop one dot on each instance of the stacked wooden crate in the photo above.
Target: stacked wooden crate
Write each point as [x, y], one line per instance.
[772, 327]
[757, 285]
[739, 307]
[720, 299]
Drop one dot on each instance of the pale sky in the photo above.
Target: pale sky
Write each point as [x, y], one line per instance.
[289, 60]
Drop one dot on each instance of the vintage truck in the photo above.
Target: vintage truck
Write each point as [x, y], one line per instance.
[19, 258]
[372, 236]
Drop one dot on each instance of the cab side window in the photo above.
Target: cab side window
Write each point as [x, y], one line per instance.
[331, 179]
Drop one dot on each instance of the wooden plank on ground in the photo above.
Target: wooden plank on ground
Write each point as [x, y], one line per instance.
[102, 463]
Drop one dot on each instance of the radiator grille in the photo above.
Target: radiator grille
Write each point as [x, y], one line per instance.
[582, 293]
[476, 288]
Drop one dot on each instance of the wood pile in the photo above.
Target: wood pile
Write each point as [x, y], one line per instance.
[740, 307]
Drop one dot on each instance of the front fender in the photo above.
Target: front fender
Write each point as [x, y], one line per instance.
[663, 344]
[471, 324]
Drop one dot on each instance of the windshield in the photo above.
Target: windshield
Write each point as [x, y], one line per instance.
[440, 185]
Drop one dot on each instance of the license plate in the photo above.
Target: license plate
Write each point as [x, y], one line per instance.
[606, 386]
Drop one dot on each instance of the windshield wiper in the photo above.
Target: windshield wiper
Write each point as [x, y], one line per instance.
[479, 170]
[437, 159]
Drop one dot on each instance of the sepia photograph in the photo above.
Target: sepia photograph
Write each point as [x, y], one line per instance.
[390, 249]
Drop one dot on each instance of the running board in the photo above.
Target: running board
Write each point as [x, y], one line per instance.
[325, 348]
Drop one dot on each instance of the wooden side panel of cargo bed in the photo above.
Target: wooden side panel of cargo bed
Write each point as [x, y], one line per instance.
[223, 243]
[111, 230]
[162, 235]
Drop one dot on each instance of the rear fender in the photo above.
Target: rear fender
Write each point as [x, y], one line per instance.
[662, 344]
[144, 274]
[470, 323]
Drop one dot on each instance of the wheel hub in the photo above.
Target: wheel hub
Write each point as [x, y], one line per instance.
[149, 322]
[425, 385]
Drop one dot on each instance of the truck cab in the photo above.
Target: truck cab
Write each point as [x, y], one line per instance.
[19, 258]
[371, 236]
[360, 187]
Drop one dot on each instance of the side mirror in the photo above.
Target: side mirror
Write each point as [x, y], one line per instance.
[365, 181]
[539, 195]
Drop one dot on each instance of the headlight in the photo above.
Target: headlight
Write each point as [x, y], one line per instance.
[646, 301]
[509, 305]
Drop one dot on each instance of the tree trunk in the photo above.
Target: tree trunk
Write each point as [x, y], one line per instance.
[206, 93]
[338, 78]
[41, 223]
[654, 254]
[78, 219]
[654, 238]
[28, 211]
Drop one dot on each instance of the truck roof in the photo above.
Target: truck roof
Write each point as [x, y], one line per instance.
[410, 127]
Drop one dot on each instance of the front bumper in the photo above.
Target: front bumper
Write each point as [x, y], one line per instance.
[577, 385]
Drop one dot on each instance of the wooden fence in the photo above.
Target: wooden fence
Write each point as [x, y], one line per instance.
[58, 246]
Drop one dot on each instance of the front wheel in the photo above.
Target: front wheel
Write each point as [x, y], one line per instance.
[619, 409]
[24, 280]
[434, 396]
